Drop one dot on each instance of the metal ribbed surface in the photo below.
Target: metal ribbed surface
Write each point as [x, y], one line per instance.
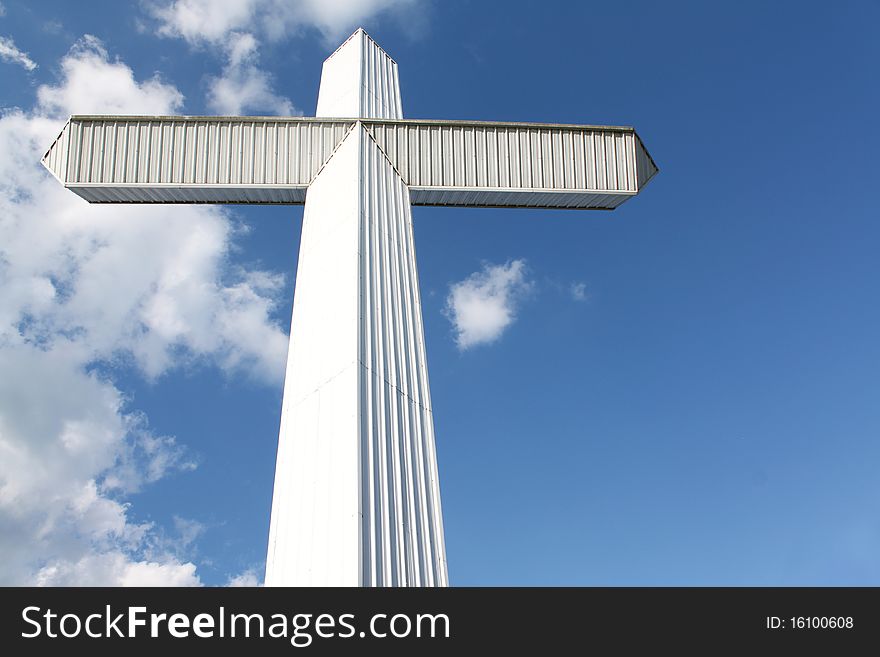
[193, 151]
[191, 194]
[265, 160]
[360, 79]
[458, 154]
[381, 89]
[506, 198]
[400, 499]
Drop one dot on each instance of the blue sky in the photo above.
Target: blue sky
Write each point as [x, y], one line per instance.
[706, 415]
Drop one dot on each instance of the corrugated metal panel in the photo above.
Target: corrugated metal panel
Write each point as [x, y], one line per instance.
[516, 198]
[381, 89]
[193, 150]
[134, 193]
[359, 80]
[176, 159]
[403, 528]
[459, 154]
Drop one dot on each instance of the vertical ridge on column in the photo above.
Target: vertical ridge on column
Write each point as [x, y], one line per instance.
[404, 525]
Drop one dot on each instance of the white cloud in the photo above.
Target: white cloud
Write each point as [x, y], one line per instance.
[579, 291]
[86, 286]
[249, 577]
[336, 18]
[65, 439]
[484, 304]
[94, 84]
[212, 21]
[243, 86]
[204, 20]
[237, 27]
[2, 9]
[189, 530]
[114, 568]
[10, 53]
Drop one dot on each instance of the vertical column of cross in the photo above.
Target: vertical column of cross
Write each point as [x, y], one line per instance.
[357, 498]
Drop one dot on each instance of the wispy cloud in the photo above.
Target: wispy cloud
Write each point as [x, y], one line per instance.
[53, 27]
[242, 86]
[10, 53]
[579, 291]
[484, 304]
[200, 21]
[238, 27]
[212, 21]
[249, 577]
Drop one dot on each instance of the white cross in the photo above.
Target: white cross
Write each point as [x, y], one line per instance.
[356, 499]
